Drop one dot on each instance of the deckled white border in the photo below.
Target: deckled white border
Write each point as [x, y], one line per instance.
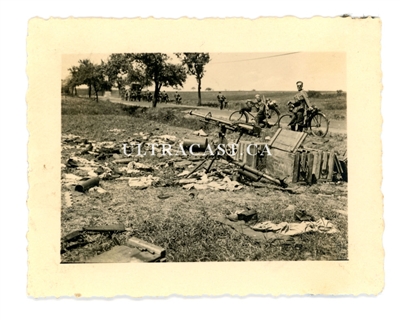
[13, 287]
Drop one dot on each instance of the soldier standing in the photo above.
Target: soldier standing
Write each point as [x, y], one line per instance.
[300, 104]
[221, 99]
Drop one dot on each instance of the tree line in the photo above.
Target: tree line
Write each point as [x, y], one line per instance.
[144, 68]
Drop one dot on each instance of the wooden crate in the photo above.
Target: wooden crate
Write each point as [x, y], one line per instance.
[247, 153]
[287, 140]
[279, 164]
[316, 166]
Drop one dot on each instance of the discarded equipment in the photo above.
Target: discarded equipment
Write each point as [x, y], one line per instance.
[86, 185]
[318, 166]
[298, 164]
[135, 250]
[242, 128]
[197, 144]
[255, 174]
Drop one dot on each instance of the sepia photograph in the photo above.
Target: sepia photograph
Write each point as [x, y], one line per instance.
[190, 160]
[168, 158]
[203, 157]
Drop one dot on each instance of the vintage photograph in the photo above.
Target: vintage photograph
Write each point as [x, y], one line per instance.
[177, 166]
[204, 157]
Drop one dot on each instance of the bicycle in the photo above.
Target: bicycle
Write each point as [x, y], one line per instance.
[245, 115]
[315, 122]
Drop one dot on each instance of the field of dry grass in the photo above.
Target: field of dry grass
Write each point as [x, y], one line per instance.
[184, 221]
[329, 102]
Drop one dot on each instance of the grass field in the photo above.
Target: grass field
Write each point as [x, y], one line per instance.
[184, 224]
[328, 101]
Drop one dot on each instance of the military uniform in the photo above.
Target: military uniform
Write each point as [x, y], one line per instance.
[301, 105]
[261, 115]
[221, 99]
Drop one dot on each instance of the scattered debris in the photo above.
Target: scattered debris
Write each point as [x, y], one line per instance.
[139, 166]
[187, 181]
[106, 160]
[73, 236]
[164, 196]
[242, 227]
[69, 177]
[182, 164]
[123, 161]
[301, 215]
[200, 133]
[192, 195]
[142, 182]
[245, 215]
[207, 183]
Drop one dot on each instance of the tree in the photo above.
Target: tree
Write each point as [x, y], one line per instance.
[121, 72]
[195, 63]
[208, 89]
[159, 71]
[116, 69]
[73, 80]
[92, 75]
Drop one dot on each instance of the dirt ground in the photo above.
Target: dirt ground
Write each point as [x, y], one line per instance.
[184, 221]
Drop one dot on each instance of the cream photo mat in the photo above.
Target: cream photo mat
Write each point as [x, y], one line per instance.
[49, 39]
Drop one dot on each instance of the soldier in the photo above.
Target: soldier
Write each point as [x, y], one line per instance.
[221, 99]
[178, 98]
[135, 95]
[301, 104]
[166, 99]
[262, 108]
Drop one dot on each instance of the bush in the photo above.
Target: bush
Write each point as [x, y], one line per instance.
[314, 94]
[210, 104]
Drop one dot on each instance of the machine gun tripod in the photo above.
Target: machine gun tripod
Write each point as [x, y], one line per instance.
[221, 152]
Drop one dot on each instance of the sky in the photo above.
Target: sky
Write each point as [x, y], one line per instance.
[274, 71]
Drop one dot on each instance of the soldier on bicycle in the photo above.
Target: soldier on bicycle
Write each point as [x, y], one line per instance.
[262, 111]
[300, 104]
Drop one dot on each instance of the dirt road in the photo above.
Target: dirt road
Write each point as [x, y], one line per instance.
[335, 126]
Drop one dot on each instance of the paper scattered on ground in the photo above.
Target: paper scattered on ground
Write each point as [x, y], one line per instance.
[200, 133]
[142, 182]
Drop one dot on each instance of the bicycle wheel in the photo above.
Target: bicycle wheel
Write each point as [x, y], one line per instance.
[273, 117]
[284, 121]
[239, 116]
[319, 125]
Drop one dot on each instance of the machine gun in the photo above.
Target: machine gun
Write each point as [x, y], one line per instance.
[254, 174]
[242, 128]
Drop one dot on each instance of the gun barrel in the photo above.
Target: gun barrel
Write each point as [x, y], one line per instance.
[209, 117]
[253, 171]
